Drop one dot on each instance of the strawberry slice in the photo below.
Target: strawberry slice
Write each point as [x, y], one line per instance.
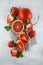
[10, 44]
[14, 52]
[29, 26]
[10, 18]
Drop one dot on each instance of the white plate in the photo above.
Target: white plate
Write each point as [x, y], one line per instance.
[34, 56]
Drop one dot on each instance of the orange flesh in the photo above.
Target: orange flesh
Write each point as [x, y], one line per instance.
[20, 45]
[17, 26]
[24, 38]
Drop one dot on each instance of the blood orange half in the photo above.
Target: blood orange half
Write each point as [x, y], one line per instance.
[17, 26]
[24, 38]
[20, 45]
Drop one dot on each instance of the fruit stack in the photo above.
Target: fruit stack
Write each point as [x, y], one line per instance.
[20, 20]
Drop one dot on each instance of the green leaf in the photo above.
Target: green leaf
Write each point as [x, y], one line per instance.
[7, 28]
[12, 41]
[26, 23]
[19, 54]
[14, 17]
[10, 10]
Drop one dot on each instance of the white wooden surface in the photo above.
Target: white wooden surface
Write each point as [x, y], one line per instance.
[35, 55]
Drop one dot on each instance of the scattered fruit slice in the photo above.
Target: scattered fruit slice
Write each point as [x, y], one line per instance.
[10, 18]
[14, 52]
[17, 26]
[32, 33]
[20, 45]
[23, 37]
[10, 44]
[25, 14]
[15, 10]
[29, 26]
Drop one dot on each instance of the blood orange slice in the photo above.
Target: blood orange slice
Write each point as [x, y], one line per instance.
[20, 45]
[17, 26]
[23, 37]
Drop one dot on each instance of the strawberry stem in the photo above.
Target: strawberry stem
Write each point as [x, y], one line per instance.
[12, 41]
[26, 23]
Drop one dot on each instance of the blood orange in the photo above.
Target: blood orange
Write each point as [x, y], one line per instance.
[20, 45]
[25, 14]
[23, 37]
[17, 26]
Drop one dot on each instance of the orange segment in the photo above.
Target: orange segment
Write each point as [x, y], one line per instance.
[23, 37]
[20, 45]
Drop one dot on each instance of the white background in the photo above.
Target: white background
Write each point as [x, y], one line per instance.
[34, 56]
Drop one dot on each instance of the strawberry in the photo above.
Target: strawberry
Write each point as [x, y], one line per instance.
[10, 44]
[29, 26]
[14, 10]
[14, 52]
[10, 18]
[32, 33]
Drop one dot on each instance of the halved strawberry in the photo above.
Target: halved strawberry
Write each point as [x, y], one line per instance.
[20, 45]
[32, 33]
[14, 52]
[10, 44]
[29, 26]
[23, 37]
[10, 18]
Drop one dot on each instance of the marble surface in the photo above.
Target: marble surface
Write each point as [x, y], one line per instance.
[34, 56]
